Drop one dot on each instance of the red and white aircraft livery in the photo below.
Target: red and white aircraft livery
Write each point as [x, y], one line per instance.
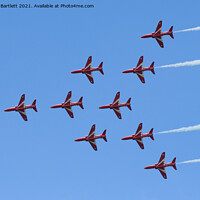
[21, 108]
[67, 105]
[116, 105]
[88, 70]
[138, 136]
[91, 138]
[161, 165]
[158, 34]
[140, 69]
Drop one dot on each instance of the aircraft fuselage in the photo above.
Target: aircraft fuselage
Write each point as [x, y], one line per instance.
[16, 108]
[133, 137]
[153, 35]
[62, 105]
[90, 138]
[134, 70]
[114, 106]
[156, 166]
[83, 70]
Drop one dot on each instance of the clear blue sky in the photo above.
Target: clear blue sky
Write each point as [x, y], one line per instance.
[40, 47]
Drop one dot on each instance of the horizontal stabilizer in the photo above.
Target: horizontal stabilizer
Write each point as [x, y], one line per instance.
[129, 102]
[171, 34]
[80, 101]
[152, 68]
[34, 104]
[100, 68]
[104, 134]
[174, 162]
[151, 131]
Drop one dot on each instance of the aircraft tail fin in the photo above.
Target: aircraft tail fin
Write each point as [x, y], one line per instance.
[34, 104]
[152, 67]
[171, 34]
[151, 131]
[104, 134]
[174, 163]
[100, 68]
[80, 101]
[129, 104]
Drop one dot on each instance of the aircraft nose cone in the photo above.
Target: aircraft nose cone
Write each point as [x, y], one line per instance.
[127, 71]
[77, 140]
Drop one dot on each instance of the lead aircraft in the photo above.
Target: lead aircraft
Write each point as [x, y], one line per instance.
[116, 105]
[158, 34]
[67, 105]
[87, 70]
[138, 136]
[91, 138]
[161, 165]
[21, 107]
[139, 69]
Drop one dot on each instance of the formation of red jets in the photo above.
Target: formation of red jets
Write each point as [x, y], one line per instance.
[115, 105]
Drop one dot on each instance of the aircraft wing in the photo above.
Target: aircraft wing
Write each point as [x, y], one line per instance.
[69, 111]
[22, 101]
[159, 28]
[141, 76]
[116, 100]
[139, 130]
[90, 77]
[162, 159]
[23, 114]
[68, 98]
[93, 144]
[117, 112]
[92, 131]
[89, 63]
[163, 172]
[140, 63]
[140, 143]
[160, 41]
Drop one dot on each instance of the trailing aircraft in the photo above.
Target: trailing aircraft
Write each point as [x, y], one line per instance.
[138, 136]
[67, 105]
[21, 107]
[161, 165]
[116, 105]
[91, 138]
[87, 70]
[139, 69]
[158, 34]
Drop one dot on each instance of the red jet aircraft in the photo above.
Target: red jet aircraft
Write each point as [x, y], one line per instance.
[138, 136]
[140, 69]
[91, 137]
[67, 105]
[88, 70]
[21, 108]
[158, 34]
[116, 105]
[161, 165]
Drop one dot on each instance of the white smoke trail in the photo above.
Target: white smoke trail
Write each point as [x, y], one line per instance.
[190, 161]
[183, 129]
[187, 63]
[189, 29]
